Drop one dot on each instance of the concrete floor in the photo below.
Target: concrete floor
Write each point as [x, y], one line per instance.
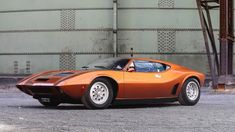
[214, 112]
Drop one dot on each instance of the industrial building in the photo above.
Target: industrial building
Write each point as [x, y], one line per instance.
[38, 35]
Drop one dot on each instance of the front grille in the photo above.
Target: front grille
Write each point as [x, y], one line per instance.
[44, 90]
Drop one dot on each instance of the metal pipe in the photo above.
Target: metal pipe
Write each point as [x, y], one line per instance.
[115, 28]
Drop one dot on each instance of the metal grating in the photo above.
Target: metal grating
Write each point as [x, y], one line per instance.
[68, 60]
[166, 41]
[67, 18]
[16, 67]
[166, 3]
[27, 69]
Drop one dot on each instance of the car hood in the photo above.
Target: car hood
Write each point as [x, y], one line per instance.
[52, 77]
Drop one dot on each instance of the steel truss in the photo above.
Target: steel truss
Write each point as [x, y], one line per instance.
[221, 68]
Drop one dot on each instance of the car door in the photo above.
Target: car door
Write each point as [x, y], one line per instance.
[147, 81]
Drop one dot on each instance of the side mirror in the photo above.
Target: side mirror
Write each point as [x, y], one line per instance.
[131, 69]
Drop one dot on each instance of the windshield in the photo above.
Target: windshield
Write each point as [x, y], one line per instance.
[109, 64]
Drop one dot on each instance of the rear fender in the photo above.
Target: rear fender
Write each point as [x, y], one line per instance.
[199, 79]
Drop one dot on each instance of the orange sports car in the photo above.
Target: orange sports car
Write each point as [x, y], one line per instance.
[102, 82]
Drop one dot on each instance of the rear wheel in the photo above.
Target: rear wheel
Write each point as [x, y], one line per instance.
[190, 92]
[49, 102]
[99, 95]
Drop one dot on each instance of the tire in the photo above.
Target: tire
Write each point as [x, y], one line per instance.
[51, 103]
[99, 95]
[190, 92]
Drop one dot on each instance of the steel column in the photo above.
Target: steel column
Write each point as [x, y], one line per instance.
[226, 40]
[226, 30]
[208, 35]
[225, 65]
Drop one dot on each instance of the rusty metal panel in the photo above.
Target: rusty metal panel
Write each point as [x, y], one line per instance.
[94, 19]
[19, 64]
[156, 3]
[134, 40]
[226, 31]
[56, 20]
[192, 42]
[26, 64]
[183, 41]
[17, 5]
[47, 42]
[34, 34]
[30, 20]
[173, 19]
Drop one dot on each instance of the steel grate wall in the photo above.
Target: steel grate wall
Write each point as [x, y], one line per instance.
[67, 19]
[166, 3]
[67, 60]
[166, 41]
[36, 35]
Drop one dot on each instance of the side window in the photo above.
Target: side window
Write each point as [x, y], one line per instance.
[120, 64]
[144, 66]
[147, 66]
[160, 67]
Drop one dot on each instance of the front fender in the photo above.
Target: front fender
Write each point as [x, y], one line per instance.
[77, 85]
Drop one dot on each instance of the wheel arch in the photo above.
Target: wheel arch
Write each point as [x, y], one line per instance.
[195, 77]
[182, 96]
[185, 79]
[113, 83]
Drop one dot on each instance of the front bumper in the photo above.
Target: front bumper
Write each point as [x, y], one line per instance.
[43, 91]
[39, 92]
[68, 94]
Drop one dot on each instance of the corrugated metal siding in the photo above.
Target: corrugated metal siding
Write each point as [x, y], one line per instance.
[40, 35]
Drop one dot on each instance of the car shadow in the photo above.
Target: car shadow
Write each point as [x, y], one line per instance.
[114, 106]
[146, 105]
[60, 107]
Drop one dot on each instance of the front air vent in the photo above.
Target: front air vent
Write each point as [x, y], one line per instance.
[174, 89]
[42, 79]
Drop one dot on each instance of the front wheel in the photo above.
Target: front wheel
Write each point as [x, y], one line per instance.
[190, 92]
[99, 95]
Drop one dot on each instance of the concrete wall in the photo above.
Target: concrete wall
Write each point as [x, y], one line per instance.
[35, 34]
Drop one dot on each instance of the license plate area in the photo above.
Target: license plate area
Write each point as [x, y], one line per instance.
[39, 90]
[46, 100]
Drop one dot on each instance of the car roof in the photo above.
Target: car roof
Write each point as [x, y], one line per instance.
[154, 60]
[145, 59]
[133, 58]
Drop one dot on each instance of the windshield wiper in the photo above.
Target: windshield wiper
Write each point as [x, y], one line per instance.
[102, 67]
